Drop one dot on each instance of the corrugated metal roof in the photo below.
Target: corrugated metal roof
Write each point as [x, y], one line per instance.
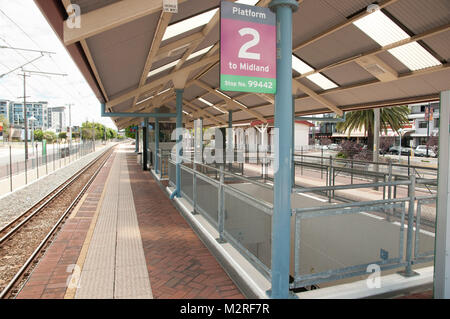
[119, 54]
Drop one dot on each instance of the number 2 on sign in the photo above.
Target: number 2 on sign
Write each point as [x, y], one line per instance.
[243, 54]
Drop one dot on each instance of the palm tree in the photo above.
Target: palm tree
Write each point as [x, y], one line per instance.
[393, 117]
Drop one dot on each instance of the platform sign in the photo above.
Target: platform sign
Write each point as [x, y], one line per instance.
[247, 48]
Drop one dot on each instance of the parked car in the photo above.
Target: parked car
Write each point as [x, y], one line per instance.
[421, 150]
[394, 150]
[334, 147]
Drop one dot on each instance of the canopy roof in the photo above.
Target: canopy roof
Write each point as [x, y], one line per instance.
[345, 57]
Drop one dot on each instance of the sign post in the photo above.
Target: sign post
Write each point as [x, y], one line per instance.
[247, 48]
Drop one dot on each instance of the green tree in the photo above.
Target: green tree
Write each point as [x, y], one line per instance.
[50, 136]
[129, 133]
[62, 135]
[393, 117]
[110, 133]
[38, 135]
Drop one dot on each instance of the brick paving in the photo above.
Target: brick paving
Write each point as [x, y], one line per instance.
[49, 279]
[179, 264]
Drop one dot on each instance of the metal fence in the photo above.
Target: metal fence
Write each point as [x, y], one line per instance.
[15, 171]
[240, 219]
[370, 245]
[245, 220]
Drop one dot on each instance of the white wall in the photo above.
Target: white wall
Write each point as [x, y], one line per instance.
[301, 136]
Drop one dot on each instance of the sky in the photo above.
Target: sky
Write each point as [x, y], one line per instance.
[23, 26]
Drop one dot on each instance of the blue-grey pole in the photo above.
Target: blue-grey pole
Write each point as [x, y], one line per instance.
[145, 144]
[281, 219]
[230, 139]
[293, 143]
[137, 140]
[179, 140]
[156, 144]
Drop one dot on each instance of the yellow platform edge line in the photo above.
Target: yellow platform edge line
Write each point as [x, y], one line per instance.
[75, 277]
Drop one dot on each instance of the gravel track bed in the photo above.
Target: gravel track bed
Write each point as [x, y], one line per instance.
[15, 251]
[21, 200]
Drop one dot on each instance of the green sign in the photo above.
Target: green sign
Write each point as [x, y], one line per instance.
[44, 147]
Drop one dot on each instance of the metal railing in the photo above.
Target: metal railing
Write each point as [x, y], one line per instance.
[16, 171]
[240, 219]
[245, 221]
[406, 257]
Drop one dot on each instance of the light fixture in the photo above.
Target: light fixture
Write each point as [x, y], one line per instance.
[172, 64]
[380, 28]
[188, 24]
[300, 66]
[322, 81]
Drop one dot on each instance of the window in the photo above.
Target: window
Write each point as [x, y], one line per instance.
[422, 124]
[436, 123]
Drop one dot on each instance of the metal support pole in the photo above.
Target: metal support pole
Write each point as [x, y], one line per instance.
[442, 246]
[281, 219]
[408, 272]
[10, 169]
[321, 163]
[137, 140]
[302, 163]
[293, 144]
[145, 144]
[194, 188]
[351, 174]
[230, 154]
[179, 140]
[37, 162]
[376, 142]
[221, 206]
[26, 171]
[157, 168]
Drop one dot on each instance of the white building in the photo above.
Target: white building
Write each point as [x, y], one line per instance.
[57, 119]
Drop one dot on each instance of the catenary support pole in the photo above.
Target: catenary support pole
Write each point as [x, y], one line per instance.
[281, 219]
[442, 245]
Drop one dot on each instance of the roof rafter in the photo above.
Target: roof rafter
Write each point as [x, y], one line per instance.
[163, 22]
[162, 80]
[339, 26]
[418, 37]
[406, 75]
[111, 16]
[229, 100]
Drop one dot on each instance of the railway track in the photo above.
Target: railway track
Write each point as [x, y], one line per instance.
[24, 240]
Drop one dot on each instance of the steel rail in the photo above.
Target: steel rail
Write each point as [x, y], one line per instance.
[18, 275]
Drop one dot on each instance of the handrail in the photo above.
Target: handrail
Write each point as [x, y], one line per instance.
[347, 205]
[353, 186]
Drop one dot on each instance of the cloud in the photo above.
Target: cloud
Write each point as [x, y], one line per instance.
[22, 25]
